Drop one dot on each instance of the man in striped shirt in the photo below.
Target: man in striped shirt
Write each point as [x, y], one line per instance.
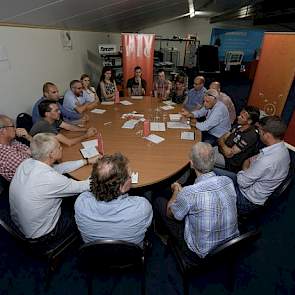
[201, 216]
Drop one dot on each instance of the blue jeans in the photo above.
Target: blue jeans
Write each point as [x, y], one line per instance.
[244, 206]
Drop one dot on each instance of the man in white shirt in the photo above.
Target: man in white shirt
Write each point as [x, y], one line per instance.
[37, 189]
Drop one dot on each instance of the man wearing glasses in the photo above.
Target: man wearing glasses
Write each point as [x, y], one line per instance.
[12, 152]
[75, 102]
[217, 121]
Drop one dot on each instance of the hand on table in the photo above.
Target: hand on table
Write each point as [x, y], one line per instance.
[91, 131]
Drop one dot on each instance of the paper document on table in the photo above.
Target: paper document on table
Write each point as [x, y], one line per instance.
[155, 126]
[107, 103]
[169, 103]
[89, 143]
[89, 152]
[134, 177]
[187, 135]
[98, 111]
[167, 108]
[178, 125]
[154, 138]
[132, 115]
[126, 102]
[130, 124]
[136, 97]
[174, 117]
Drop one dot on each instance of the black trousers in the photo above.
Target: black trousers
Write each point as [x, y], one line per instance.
[174, 227]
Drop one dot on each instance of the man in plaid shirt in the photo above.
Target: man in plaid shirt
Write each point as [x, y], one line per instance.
[201, 216]
[12, 152]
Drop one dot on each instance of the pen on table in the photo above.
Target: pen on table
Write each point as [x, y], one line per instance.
[107, 123]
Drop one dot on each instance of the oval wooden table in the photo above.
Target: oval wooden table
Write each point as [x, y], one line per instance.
[153, 162]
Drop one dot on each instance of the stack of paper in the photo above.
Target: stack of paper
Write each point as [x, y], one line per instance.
[175, 117]
[136, 97]
[130, 124]
[169, 103]
[107, 103]
[89, 152]
[98, 111]
[187, 135]
[178, 125]
[89, 143]
[155, 126]
[154, 138]
[167, 108]
[125, 102]
[132, 115]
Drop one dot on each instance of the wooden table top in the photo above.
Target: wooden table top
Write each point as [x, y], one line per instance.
[153, 162]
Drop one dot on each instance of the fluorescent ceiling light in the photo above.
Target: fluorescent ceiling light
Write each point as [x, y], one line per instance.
[191, 8]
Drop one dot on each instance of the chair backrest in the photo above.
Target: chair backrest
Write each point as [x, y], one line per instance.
[109, 254]
[234, 244]
[24, 120]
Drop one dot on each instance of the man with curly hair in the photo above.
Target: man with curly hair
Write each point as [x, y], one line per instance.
[108, 212]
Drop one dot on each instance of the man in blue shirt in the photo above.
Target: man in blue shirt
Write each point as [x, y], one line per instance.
[75, 103]
[217, 121]
[108, 212]
[262, 173]
[50, 92]
[201, 216]
[196, 95]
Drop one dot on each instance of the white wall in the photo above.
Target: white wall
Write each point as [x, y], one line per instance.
[36, 56]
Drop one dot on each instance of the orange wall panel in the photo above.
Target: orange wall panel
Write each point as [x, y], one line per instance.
[275, 73]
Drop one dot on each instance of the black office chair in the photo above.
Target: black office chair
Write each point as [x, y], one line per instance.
[224, 254]
[51, 252]
[111, 255]
[24, 120]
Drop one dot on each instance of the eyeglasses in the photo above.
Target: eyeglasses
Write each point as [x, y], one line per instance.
[7, 126]
[211, 95]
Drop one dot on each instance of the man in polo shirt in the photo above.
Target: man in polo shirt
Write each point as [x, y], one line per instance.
[239, 144]
[50, 92]
[200, 216]
[263, 173]
[74, 101]
[50, 122]
[217, 121]
[195, 96]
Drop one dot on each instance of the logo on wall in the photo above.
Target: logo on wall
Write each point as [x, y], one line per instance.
[269, 107]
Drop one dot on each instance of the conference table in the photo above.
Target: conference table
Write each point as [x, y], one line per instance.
[153, 162]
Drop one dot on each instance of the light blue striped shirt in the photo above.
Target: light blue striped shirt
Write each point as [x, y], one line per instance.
[210, 212]
[125, 218]
[265, 174]
[217, 121]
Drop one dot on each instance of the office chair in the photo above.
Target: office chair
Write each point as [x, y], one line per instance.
[112, 255]
[225, 253]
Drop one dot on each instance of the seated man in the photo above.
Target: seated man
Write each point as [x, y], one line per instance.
[50, 122]
[136, 85]
[239, 144]
[217, 121]
[75, 103]
[195, 96]
[263, 173]
[108, 212]
[50, 92]
[12, 152]
[37, 189]
[226, 100]
[204, 215]
[162, 87]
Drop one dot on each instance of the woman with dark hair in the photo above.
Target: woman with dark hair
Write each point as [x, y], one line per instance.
[88, 90]
[179, 93]
[107, 84]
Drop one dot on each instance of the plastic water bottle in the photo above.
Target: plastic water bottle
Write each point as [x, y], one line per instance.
[117, 97]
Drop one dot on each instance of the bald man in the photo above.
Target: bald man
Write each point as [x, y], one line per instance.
[195, 96]
[225, 99]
